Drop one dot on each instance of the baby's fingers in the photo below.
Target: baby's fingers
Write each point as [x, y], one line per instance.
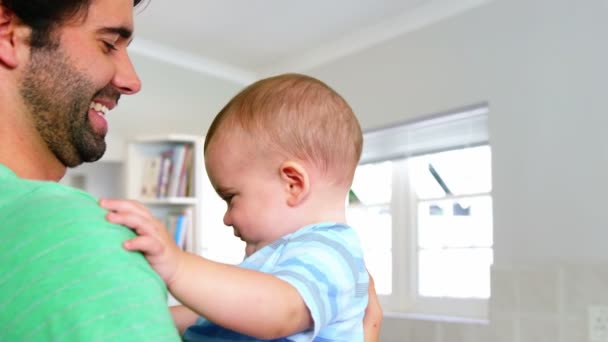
[124, 206]
[146, 244]
[140, 224]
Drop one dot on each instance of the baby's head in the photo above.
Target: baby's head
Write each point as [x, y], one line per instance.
[297, 117]
[282, 154]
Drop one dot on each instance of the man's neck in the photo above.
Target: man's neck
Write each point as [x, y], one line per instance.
[24, 152]
[27, 165]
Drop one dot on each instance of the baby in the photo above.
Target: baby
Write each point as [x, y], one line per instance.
[282, 154]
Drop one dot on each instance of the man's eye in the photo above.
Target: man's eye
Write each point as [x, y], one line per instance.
[109, 46]
[228, 198]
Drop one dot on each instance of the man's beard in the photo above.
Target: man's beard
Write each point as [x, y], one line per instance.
[58, 97]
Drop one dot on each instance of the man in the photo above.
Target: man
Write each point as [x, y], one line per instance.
[63, 272]
[65, 276]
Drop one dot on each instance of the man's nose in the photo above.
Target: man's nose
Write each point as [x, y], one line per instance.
[126, 79]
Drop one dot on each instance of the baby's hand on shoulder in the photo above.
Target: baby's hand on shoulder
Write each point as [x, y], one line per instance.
[153, 239]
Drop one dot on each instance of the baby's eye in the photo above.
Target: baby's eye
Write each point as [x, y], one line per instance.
[227, 198]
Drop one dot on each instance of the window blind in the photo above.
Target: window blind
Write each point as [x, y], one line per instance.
[457, 129]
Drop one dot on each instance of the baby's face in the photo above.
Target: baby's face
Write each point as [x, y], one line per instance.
[250, 185]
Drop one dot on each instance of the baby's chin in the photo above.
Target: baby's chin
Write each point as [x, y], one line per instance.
[249, 249]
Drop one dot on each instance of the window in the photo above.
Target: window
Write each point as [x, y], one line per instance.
[369, 212]
[421, 203]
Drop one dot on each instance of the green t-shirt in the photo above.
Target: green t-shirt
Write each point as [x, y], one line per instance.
[64, 275]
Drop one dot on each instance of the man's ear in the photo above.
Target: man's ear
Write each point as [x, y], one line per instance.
[8, 24]
[296, 182]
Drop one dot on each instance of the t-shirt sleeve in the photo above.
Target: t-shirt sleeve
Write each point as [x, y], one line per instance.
[327, 268]
[70, 279]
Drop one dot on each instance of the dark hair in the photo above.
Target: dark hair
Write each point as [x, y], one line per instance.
[43, 16]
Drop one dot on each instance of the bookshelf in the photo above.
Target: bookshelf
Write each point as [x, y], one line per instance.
[175, 185]
[208, 235]
[166, 174]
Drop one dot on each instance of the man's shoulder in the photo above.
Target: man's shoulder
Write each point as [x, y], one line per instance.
[34, 198]
[37, 215]
[64, 254]
[46, 189]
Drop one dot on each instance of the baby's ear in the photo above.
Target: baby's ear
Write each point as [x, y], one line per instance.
[9, 23]
[296, 182]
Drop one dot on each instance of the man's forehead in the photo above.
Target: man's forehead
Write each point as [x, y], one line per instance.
[115, 14]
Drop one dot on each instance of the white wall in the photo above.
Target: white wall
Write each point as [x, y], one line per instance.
[172, 100]
[541, 65]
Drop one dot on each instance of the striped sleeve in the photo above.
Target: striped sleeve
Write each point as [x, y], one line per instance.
[326, 267]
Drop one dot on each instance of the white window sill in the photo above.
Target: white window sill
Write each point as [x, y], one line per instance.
[435, 318]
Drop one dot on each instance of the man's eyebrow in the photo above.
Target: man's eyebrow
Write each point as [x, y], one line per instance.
[122, 31]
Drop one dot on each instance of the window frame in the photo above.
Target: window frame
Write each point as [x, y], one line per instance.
[404, 299]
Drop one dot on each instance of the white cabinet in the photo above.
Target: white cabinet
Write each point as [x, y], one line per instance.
[183, 181]
[166, 174]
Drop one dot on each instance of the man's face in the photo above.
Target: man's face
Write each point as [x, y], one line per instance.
[69, 86]
[58, 96]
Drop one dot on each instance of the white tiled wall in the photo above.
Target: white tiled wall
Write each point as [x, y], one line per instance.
[545, 303]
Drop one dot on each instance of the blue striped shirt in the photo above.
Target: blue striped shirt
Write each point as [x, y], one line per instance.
[324, 262]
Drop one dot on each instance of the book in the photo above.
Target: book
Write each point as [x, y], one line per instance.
[150, 176]
[181, 228]
[183, 189]
[163, 186]
[178, 156]
[189, 233]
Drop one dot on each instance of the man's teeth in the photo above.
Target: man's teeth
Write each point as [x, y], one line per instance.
[98, 107]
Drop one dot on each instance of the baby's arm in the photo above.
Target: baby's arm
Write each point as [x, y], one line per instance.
[183, 317]
[246, 301]
[250, 302]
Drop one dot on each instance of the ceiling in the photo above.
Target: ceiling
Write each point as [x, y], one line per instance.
[245, 39]
[194, 55]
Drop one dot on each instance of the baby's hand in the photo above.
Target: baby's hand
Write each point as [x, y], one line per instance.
[153, 238]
